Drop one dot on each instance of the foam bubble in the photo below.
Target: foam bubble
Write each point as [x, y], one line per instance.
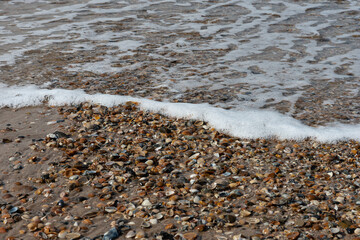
[243, 124]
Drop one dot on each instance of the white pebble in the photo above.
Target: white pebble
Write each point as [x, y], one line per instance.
[146, 203]
[153, 221]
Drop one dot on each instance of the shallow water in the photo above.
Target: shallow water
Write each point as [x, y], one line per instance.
[300, 58]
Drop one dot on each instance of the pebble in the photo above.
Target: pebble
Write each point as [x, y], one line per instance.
[200, 228]
[18, 167]
[110, 209]
[13, 210]
[196, 199]
[140, 234]
[51, 122]
[169, 226]
[146, 225]
[190, 236]
[299, 223]
[253, 220]
[245, 213]
[113, 233]
[149, 162]
[146, 203]
[340, 199]
[130, 234]
[118, 171]
[73, 236]
[74, 177]
[193, 190]
[293, 235]
[153, 221]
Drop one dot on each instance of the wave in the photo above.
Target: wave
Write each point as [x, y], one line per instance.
[243, 124]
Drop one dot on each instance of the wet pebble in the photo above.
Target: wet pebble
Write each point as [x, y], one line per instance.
[113, 233]
[130, 234]
[190, 236]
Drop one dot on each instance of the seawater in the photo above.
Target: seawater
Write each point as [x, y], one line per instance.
[299, 58]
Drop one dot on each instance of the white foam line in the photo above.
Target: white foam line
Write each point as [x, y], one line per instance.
[243, 124]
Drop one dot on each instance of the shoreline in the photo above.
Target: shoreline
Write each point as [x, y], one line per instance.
[246, 123]
[149, 175]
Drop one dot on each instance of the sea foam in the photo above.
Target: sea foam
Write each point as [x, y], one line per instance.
[243, 124]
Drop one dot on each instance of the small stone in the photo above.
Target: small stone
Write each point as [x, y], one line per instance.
[72, 236]
[242, 222]
[159, 216]
[69, 218]
[146, 203]
[238, 237]
[196, 199]
[335, 230]
[193, 190]
[74, 177]
[200, 228]
[140, 234]
[220, 184]
[87, 221]
[171, 202]
[245, 213]
[110, 209]
[51, 122]
[235, 193]
[18, 167]
[340, 199]
[293, 235]
[357, 231]
[149, 162]
[2, 230]
[111, 234]
[299, 222]
[146, 225]
[130, 234]
[190, 235]
[153, 221]
[13, 210]
[230, 218]
[253, 220]
[169, 226]
[32, 226]
[61, 203]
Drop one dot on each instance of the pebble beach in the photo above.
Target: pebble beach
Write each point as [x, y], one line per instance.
[88, 172]
[185, 120]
